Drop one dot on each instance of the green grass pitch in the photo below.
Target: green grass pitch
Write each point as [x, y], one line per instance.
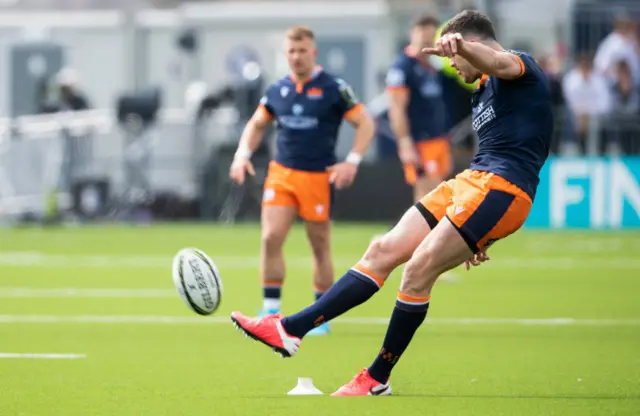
[550, 326]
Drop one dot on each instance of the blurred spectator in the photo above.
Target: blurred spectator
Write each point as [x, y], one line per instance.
[551, 67]
[71, 96]
[619, 45]
[622, 126]
[61, 93]
[588, 97]
[626, 94]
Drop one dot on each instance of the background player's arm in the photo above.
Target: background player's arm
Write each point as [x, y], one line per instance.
[355, 112]
[365, 128]
[254, 131]
[398, 102]
[249, 141]
[398, 93]
[343, 174]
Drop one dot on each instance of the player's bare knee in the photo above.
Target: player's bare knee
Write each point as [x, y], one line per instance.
[382, 255]
[272, 241]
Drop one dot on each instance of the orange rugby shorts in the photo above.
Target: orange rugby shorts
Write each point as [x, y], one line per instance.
[435, 160]
[310, 192]
[483, 206]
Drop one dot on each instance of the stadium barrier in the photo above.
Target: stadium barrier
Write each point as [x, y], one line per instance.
[588, 193]
[43, 157]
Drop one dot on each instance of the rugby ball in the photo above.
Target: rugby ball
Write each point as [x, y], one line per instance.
[197, 281]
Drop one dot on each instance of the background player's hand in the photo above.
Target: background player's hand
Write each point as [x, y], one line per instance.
[342, 174]
[239, 168]
[477, 259]
[447, 45]
[407, 152]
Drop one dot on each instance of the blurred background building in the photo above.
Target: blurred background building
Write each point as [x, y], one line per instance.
[131, 109]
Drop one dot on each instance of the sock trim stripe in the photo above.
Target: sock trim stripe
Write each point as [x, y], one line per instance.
[319, 290]
[274, 285]
[366, 273]
[413, 300]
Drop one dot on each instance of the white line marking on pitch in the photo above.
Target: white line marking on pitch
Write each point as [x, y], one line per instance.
[35, 356]
[124, 319]
[70, 292]
[36, 259]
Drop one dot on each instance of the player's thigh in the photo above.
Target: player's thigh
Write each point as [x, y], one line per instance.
[396, 246]
[442, 250]
[279, 203]
[319, 236]
[487, 208]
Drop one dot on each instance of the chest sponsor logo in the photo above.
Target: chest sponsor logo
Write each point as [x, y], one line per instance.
[482, 115]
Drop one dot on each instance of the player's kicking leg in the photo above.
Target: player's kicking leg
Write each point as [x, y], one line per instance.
[276, 223]
[319, 235]
[481, 208]
[437, 165]
[360, 283]
[442, 250]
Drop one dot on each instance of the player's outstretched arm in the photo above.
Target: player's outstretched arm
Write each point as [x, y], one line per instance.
[501, 64]
[249, 142]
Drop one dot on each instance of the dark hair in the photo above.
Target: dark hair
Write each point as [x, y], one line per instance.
[471, 22]
[426, 20]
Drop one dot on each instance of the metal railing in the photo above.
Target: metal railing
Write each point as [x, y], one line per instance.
[42, 157]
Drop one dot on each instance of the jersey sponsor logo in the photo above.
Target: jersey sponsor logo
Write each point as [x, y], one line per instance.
[298, 121]
[482, 116]
[284, 91]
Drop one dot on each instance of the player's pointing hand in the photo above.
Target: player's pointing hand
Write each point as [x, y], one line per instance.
[447, 45]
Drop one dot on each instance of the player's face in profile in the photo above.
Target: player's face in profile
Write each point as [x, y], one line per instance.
[423, 36]
[301, 55]
[468, 72]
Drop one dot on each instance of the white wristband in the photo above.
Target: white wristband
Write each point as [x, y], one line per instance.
[354, 158]
[243, 152]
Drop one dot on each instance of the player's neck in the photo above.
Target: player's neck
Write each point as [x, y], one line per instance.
[301, 78]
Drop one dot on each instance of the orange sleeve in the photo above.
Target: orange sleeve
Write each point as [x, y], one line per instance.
[523, 68]
[397, 88]
[353, 111]
[266, 114]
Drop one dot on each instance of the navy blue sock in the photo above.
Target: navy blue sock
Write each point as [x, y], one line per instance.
[318, 294]
[271, 294]
[354, 288]
[407, 317]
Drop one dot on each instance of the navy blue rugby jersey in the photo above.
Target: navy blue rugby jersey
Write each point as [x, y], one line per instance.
[514, 123]
[426, 110]
[308, 118]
